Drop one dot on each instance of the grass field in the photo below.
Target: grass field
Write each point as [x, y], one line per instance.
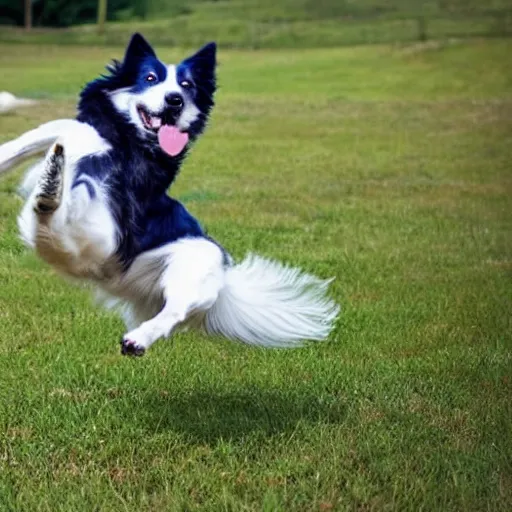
[387, 167]
[289, 23]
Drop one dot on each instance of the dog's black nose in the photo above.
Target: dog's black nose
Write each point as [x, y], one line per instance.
[174, 100]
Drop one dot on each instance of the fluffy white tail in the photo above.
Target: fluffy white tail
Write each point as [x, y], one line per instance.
[32, 143]
[268, 304]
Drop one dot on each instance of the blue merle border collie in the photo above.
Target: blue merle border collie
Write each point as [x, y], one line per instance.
[97, 209]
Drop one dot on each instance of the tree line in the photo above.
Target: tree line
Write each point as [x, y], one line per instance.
[63, 13]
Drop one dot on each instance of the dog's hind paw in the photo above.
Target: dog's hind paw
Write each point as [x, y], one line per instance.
[130, 348]
[50, 182]
[46, 204]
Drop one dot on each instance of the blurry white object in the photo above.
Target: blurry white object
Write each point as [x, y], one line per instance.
[9, 102]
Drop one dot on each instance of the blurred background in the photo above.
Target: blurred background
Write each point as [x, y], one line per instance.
[253, 23]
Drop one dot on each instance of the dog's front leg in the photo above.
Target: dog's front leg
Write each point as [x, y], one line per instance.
[137, 341]
[191, 283]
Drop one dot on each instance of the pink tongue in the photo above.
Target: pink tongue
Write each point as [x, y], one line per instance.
[171, 140]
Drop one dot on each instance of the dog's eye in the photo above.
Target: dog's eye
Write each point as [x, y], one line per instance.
[151, 77]
[186, 84]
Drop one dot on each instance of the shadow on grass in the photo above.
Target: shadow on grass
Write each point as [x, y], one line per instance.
[210, 416]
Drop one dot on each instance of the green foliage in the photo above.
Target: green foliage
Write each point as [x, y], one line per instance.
[386, 167]
[287, 10]
[58, 13]
[140, 8]
[279, 23]
[263, 23]
[195, 29]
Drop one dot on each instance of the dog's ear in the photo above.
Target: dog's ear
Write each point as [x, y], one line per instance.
[202, 64]
[206, 53]
[137, 48]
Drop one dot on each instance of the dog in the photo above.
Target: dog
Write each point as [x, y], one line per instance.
[97, 209]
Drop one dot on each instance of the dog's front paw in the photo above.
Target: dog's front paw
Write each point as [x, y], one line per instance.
[131, 348]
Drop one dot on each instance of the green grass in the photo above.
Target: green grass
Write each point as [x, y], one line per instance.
[387, 167]
[198, 28]
[289, 23]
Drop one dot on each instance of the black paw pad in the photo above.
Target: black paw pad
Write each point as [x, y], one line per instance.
[58, 150]
[130, 348]
[45, 204]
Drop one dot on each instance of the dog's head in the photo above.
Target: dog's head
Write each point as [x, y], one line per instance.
[167, 104]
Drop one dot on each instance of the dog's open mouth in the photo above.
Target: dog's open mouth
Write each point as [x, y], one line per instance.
[150, 121]
[170, 138]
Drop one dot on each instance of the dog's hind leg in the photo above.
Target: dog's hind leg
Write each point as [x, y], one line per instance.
[66, 220]
[44, 198]
[190, 282]
[48, 194]
[49, 188]
[44, 222]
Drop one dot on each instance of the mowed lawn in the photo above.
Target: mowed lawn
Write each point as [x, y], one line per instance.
[386, 167]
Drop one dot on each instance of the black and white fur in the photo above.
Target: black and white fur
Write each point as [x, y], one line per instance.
[97, 209]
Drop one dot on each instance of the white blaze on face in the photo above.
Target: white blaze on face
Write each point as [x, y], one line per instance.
[153, 100]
